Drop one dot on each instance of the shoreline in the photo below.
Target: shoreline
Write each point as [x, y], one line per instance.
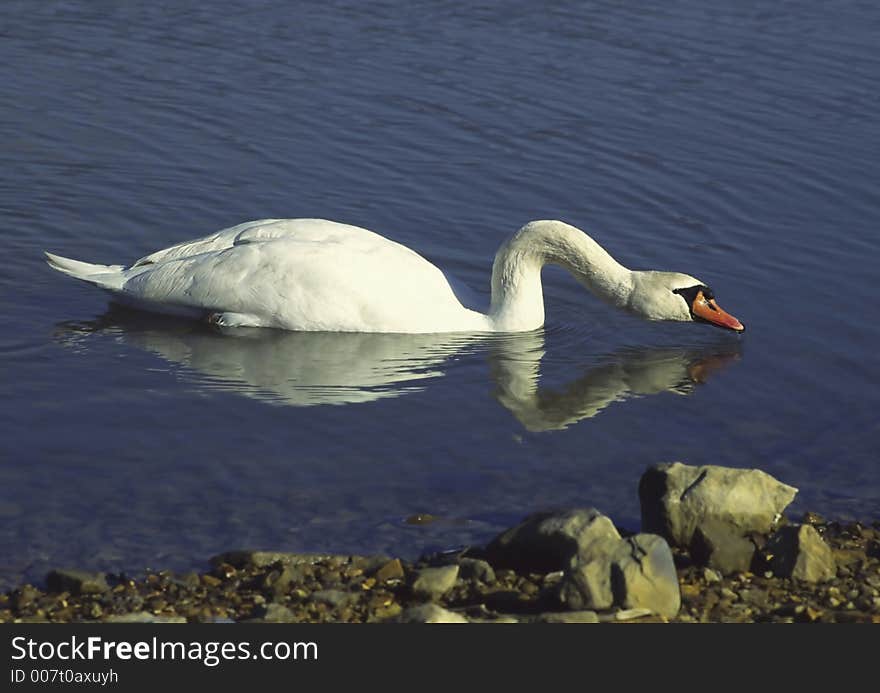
[262, 586]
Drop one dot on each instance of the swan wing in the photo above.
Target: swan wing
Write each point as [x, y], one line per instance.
[253, 231]
[303, 275]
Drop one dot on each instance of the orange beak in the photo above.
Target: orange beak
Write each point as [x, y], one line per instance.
[711, 312]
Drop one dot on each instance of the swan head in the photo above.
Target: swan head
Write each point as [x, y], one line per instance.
[676, 296]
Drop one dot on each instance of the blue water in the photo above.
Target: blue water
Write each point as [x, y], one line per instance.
[737, 142]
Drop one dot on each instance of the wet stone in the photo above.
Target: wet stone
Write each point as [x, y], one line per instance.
[433, 583]
[476, 569]
[430, 613]
[392, 570]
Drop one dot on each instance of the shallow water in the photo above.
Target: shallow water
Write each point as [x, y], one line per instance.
[738, 143]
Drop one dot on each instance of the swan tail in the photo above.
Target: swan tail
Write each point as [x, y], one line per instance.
[109, 277]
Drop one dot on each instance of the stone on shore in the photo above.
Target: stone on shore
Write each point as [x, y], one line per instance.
[643, 575]
[549, 541]
[143, 617]
[392, 570]
[636, 572]
[801, 553]
[476, 569]
[430, 613]
[588, 586]
[433, 583]
[677, 498]
[76, 582]
[716, 545]
[568, 617]
[273, 613]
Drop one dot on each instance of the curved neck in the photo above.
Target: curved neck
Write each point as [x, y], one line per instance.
[517, 297]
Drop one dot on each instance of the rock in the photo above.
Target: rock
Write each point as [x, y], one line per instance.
[143, 617]
[433, 583]
[550, 541]
[392, 570]
[643, 575]
[476, 569]
[568, 617]
[625, 615]
[282, 580]
[711, 576]
[273, 613]
[334, 598]
[430, 613]
[716, 545]
[588, 586]
[677, 498]
[76, 582]
[799, 552]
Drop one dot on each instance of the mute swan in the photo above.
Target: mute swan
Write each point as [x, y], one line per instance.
[319, 275]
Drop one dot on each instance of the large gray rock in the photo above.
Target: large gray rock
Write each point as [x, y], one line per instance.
[638, 573]
[76, 582]
[430, 613]
[433, 583]
[716, 545]
[550, 541]
[643, 575]
[801, 553]
[677, 498]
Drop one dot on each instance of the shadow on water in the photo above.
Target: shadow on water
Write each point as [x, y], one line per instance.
[304, 369]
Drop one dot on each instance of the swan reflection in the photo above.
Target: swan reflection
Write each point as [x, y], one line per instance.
[313, 368]
[622, 375]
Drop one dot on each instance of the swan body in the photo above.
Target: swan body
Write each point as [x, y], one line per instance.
[319, 275]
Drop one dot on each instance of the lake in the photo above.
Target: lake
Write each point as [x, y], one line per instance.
[735, 142]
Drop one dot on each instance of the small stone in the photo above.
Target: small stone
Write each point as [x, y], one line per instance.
[549, 541]
[334, 598]
[630, 614]
[420, 519]
[811, 518]
[799, 552]
[728, 593]
[392, 570]
[76, 582]
[568, 617]
[389, 611]
[711, 576]
[433, 583]
[716, 544]
[476, 569]
[430, 613]
[211, 581]
[274, 613]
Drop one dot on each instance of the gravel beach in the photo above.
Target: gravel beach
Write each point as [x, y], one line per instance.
[569, 566]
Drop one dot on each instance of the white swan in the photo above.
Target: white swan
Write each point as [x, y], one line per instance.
[319, 275]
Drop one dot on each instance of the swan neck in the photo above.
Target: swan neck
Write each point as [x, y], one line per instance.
[517, 295]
